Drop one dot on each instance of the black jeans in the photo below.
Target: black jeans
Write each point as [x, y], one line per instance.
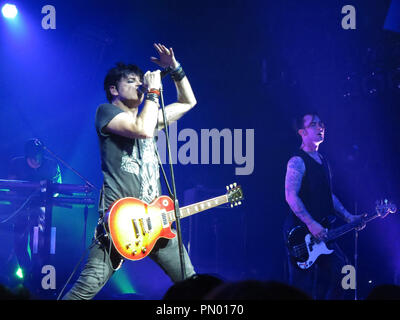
[322, 281]
[100, 266]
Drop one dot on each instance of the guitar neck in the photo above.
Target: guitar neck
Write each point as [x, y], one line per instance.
[338, 232]
[198, 207]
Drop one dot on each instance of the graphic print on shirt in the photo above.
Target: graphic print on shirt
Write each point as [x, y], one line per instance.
[130, 162]
[143, 163]
[149, 174]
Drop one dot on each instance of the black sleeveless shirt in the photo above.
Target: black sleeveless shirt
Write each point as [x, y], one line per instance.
[315, 191]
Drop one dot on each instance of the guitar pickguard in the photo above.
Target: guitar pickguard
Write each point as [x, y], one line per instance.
[315, 249]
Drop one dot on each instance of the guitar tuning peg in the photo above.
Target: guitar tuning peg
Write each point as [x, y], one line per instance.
[231, 205]
[231, 185]
[227, 188]
[235, 184]
[236, 204]
[240, 202]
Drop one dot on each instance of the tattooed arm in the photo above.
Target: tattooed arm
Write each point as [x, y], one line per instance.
[294, 175]
[341, 210]
[345, 215]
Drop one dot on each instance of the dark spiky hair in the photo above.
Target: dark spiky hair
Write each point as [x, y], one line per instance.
[298, 122]
[115, 74]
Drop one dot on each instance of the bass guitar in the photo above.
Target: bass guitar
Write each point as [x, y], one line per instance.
[305, 248]
[135, 226]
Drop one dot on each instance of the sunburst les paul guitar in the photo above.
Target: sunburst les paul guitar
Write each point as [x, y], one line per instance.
[305, 249]
[135, 226]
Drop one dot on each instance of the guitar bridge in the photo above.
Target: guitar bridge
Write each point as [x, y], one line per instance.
[164, 218]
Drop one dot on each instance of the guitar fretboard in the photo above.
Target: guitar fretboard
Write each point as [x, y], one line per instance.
[198, 207]
[336, 233]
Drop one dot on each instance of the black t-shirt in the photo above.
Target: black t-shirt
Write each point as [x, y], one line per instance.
[316, 188]
[48, 170]
[130, 166]
[315, 191]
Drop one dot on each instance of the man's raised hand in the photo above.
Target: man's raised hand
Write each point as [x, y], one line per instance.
[166, 56]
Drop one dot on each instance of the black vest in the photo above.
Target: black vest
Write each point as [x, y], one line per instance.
[315, 191]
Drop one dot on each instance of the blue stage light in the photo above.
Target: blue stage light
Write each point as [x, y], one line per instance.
[9, 11]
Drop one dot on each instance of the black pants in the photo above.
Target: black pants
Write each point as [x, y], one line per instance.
[100, 267]
[323, 280]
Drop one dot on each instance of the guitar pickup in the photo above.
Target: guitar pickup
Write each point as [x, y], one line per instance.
[148, 220]
[144, 227]
[135, 228]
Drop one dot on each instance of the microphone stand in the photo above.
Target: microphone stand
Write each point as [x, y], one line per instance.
[68, 166]
[355, 252]
[176, 203]
[355, 262]
[90, 185]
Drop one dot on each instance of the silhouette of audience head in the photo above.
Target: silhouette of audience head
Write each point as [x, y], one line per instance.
[385, 292]
[256, 290]
[193, 288]
[18, 294]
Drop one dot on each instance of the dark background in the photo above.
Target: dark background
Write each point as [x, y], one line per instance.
[252, 65]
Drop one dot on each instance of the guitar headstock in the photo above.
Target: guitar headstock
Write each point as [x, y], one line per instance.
[234, 194]
[384, 207]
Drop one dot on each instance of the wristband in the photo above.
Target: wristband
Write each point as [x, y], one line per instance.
[155, 91]
[177, 74]
[152, 97]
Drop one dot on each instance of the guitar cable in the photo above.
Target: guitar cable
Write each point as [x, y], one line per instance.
[104, 232]
[94, 241]
[77, 265]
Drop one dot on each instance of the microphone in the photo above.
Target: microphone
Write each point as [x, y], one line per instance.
[37, 143]
[143, 89]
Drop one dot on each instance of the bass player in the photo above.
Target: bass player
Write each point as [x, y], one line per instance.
[309, 195]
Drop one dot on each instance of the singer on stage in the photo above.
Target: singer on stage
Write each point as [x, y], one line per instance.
[129, 160]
